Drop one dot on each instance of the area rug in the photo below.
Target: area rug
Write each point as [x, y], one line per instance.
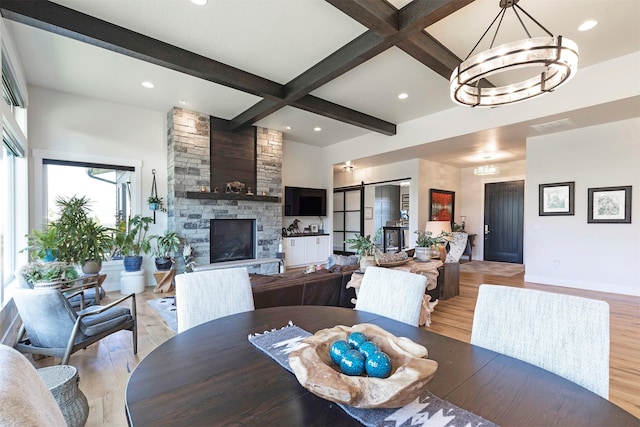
[165, 308]
[491, 267]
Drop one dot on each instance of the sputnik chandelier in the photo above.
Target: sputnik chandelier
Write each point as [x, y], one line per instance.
[558, 55]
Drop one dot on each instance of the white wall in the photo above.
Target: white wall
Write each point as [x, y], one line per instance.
[303, 165]
[95, 129]
[602, 257]
[470, 199]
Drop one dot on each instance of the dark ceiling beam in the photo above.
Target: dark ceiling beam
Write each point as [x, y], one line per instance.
[419, 14]
[431, 53]
[346, 115]
[377, 15]
[70, 23]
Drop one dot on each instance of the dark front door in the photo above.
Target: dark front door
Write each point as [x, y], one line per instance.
[503, 221]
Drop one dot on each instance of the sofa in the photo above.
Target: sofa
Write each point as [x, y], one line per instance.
[321, 287]
[329, 287]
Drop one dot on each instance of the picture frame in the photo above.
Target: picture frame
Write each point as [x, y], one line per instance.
[405, 198]
[556, 199]
[368, 213]
[609, 205]
[441, 205]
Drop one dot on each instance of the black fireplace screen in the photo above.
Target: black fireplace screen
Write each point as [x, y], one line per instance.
[232, 239]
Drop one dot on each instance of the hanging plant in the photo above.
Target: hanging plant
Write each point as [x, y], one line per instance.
[156, 204]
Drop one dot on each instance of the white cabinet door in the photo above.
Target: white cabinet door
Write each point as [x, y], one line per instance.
[318, 249]
[294, 249]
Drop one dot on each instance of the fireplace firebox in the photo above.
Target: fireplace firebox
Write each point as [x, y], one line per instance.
[232, 239]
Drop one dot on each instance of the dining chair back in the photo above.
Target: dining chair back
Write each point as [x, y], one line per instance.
[564, 334]
[206, 295]
[54, 328]
[392, 293]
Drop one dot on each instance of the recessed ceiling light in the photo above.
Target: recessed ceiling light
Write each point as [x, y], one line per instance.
[587, 25]
[148, 85]
[287, 127]
[317, 129]
[403, 96]
[199, 2]
[182, 101]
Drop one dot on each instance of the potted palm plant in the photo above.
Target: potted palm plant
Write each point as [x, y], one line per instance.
[80, 239]
[366, 248]
[166, 245]
[132, 241]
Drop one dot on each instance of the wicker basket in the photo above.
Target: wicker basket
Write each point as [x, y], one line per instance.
[63, 381]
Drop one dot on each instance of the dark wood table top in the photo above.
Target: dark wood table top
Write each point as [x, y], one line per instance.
[212, 374]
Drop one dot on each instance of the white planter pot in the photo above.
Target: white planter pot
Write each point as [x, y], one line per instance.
[132, 282]
[366, 261]
[423, 254]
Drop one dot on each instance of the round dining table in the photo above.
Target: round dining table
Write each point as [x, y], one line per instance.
[212, 375]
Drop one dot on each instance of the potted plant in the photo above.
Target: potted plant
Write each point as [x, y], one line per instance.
[95, 247]
[48, 274]
[166, 245]
[425, 242]
[80, 238]
[43, 244]
[132, 241]
[366, 248]
[155, 203]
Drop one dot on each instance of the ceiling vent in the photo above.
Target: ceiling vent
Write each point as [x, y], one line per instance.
[554, 126]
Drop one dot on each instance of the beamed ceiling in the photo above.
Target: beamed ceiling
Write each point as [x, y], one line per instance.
[291, 64]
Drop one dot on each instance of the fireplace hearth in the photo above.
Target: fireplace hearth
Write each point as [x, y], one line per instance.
[232, 239]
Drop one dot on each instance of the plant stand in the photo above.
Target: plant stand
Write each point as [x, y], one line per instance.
[132, 282]
[164, 280]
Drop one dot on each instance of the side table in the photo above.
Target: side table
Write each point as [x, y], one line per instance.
[62, 381]
[164, 280]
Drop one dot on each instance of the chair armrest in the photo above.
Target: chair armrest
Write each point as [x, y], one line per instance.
[108, 306]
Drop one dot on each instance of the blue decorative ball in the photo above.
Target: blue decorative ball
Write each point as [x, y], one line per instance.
[356, 338]
[378, 365]
[368, 348]
[337, 350]
[352, 363]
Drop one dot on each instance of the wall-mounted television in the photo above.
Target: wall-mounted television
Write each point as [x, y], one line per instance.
[299, 201]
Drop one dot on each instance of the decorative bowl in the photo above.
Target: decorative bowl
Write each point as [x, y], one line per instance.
[410, 374]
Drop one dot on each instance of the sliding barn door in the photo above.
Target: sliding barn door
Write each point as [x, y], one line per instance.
[348, 218]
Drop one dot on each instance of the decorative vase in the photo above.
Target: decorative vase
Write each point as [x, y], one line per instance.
[48, 257]
[163, 264]
[132, 263]
[154, 206]
[366, 261]
[423, 254]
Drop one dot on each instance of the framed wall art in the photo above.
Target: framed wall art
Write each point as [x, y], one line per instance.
[556, 199]
[441, 205]
[609, 205]
[368, 213]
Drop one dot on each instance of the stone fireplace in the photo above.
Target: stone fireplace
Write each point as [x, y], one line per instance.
[190, 211]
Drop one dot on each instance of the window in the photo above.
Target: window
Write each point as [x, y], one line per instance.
[107, 186]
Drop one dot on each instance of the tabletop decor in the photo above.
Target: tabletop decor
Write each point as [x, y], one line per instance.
[423, 410]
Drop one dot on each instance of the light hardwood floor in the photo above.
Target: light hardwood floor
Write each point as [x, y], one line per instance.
[105, 367]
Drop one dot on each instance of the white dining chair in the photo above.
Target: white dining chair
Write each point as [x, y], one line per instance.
[564, 334]
[207, 295]
[392, 293]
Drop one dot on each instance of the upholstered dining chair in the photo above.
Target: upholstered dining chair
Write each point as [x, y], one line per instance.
[206, 295]
[392, 293]
[25, 399]
[54, 328]
[564, 334]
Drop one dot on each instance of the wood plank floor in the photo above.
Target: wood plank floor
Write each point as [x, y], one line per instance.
[105, 367]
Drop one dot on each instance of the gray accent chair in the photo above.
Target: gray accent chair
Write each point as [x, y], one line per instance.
[564, 334]
[54, 328]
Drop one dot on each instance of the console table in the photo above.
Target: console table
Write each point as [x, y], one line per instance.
[239, 263]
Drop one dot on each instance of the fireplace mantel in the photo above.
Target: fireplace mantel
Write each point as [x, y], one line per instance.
[207, 195]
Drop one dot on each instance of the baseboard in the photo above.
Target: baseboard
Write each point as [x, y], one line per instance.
[579, 284]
